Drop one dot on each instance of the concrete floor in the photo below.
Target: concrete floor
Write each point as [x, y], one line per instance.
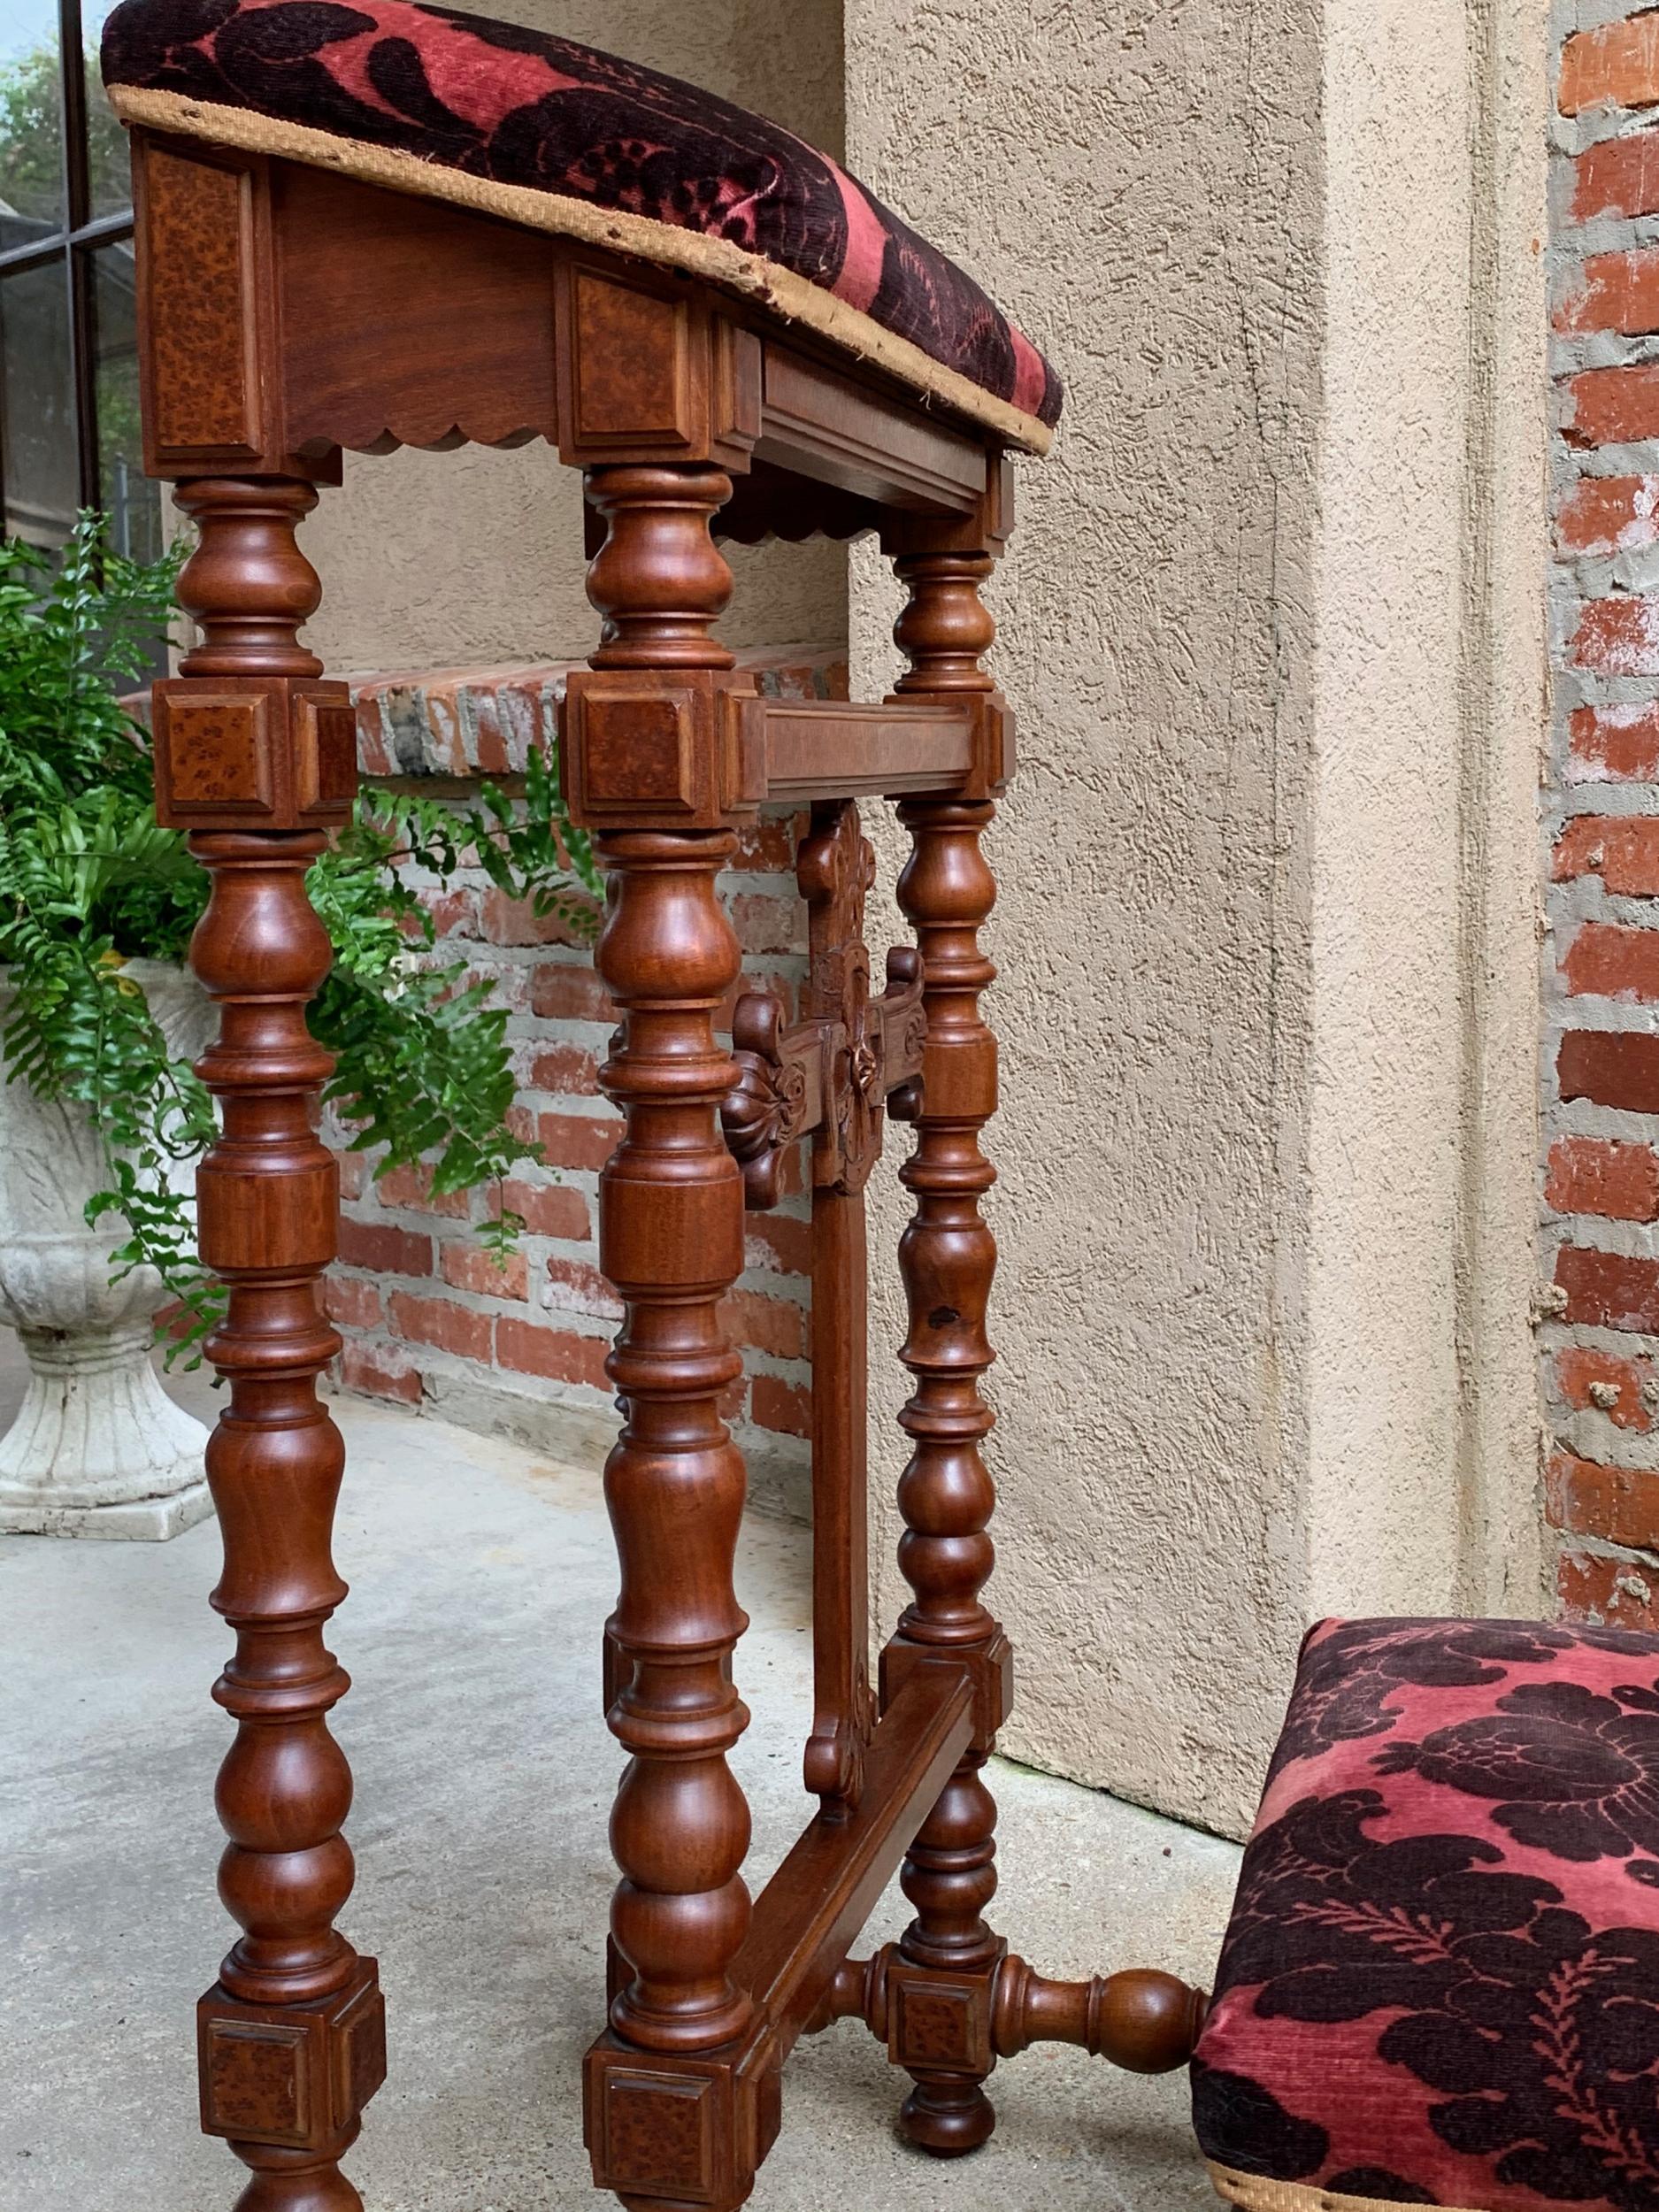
[482, 1576]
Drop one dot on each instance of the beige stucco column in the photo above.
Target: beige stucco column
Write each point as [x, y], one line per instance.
[1274, 620]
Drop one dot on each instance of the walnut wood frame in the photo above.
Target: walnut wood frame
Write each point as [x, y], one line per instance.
[288, 313]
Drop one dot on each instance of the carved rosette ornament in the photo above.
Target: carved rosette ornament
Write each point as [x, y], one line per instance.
[776, 1099]
[853, 1059]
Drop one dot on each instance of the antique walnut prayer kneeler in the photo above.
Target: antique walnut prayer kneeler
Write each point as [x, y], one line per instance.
[365, 226]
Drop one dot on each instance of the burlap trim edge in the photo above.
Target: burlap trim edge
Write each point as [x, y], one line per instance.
[1259, 2192]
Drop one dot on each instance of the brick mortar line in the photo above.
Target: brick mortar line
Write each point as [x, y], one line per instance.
[1600, 1548]
[1594, 599]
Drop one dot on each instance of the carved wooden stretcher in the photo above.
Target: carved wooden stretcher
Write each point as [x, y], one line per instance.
[286, 313]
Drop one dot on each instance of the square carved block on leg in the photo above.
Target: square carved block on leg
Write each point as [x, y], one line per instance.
[940, 2022]
[254, 753]
[292, 2076]
[684, 751]
[691, 2129]
[992, 1669]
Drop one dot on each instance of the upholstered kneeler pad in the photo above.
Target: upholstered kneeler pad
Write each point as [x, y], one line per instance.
[542, 131]
[1440, 1983]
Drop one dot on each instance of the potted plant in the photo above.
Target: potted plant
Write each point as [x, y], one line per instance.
[102, 1116]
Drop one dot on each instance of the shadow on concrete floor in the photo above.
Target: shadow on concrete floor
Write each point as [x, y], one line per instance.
[483, 1576]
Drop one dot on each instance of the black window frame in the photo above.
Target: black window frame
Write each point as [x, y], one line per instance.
[74, 245]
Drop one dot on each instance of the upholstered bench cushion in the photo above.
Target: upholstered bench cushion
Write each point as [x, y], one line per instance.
[1440, 1983]
[544, 132]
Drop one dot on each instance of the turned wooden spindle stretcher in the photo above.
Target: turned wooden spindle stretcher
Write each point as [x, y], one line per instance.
[372, 244]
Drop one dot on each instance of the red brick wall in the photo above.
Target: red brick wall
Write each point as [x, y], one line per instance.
[427, 1316]
[1599, 1328]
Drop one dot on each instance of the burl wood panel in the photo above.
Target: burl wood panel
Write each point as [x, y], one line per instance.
[248, 734]
[630, 365]
[200, 369]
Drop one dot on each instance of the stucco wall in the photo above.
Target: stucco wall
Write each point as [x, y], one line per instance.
[1145, 200]
[1272, 623]
[1263, 1306]
[476, 557]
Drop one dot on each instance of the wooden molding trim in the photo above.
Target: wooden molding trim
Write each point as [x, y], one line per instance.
[783, 296]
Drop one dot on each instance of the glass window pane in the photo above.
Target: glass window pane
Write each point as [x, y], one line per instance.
[132, 502]
[37, 419]
[109, 166]
[31, 123]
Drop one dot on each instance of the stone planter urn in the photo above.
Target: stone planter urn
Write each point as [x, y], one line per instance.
[99, 1449]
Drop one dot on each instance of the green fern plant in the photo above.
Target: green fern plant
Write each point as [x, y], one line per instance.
[88, 881]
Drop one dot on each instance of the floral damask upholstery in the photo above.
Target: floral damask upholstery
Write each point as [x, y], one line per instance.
[437, 94]
[1440, 1983]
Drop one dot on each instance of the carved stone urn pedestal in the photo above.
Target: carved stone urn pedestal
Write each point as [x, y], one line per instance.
[98, 1448]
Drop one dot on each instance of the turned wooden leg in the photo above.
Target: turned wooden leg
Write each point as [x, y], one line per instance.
[670, 1209]
[662, 2123]
[949, 1999]
[292, 2037]
[948, 1258]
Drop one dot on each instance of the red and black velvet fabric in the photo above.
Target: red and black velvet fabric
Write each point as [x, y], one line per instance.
[521, 107]
[1440, 1983]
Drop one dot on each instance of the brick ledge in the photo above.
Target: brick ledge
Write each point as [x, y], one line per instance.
[468, 723]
